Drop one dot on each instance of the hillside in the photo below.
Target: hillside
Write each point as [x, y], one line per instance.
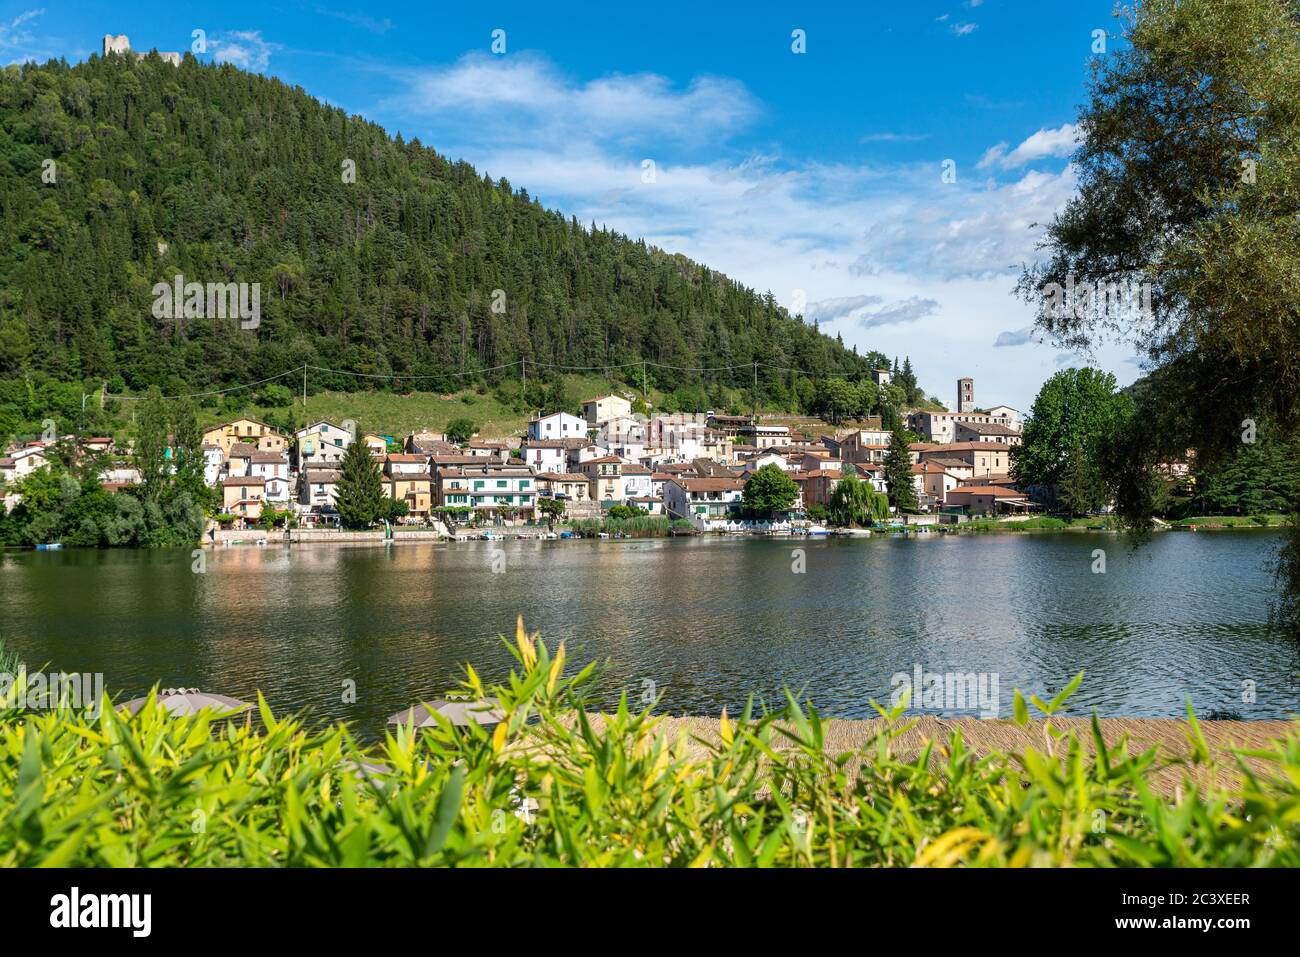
[222, 176]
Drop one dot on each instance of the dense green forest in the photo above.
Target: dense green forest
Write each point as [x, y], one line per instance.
[117, 174]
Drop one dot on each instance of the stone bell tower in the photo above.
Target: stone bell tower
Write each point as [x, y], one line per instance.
[966, 395]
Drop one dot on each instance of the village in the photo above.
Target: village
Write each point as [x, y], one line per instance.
[690, 468]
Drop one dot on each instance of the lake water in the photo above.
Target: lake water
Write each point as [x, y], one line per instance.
[707, 621]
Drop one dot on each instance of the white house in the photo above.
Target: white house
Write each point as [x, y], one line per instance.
[770, 458]
[273, 468]
[488, 487]
[603, 408]
[558, 425]
[545, 456]
[707, 502]
[406, 464]
[585, 453]
[322, 444]
[624, 436]
[214, 459]
[20, 463]
[637, 481]
[1011, 415]
[316, 487]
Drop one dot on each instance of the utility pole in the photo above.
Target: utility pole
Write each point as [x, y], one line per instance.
[645, 389]
[754, 404]
[304, 385]
[523, 371]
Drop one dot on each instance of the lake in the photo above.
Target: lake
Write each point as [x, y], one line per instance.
[704, 622]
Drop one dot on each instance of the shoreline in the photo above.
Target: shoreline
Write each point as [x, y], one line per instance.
[1171, 736]
[261, 538]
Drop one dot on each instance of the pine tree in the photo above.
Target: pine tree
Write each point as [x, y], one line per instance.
[898, 474]
[360, 493]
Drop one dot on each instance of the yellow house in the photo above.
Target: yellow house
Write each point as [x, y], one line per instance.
[258, 434]
[605, 476]
[413, 488]
[243, 497]
[376, 443]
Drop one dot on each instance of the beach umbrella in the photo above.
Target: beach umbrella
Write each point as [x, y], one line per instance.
[187, 701]
[365, 769]
[459, 711]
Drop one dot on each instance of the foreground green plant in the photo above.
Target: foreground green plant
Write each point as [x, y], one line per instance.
[553, 784]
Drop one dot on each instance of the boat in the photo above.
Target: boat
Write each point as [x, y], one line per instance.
[49, 547]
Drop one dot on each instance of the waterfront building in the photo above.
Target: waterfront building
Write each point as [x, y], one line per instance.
[242, 496]
[316, 488]
[605, 474]
[487, 487]
[707, 502]
[273, 469]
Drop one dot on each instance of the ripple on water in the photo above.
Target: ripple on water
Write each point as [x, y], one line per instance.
[704, 622]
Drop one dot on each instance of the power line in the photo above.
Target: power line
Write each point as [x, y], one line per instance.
[303, 369]
[199, 395]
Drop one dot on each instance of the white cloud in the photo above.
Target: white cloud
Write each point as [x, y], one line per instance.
[899, 313]
[16, 40]
[524, 98]
[828, 310]
[962, 29]
[245, 49]
[1058, 142]
[895, 137]
[1014, 337]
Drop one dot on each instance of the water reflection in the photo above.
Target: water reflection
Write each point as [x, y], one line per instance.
[705, 620]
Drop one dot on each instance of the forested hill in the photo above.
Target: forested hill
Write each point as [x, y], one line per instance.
[224, 176]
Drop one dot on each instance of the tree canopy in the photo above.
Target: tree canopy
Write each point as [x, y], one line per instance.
[769, 491]
[1189, 182]
[855, 502]
[1075, 413]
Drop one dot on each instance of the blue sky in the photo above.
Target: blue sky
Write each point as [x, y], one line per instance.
[817, 175]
